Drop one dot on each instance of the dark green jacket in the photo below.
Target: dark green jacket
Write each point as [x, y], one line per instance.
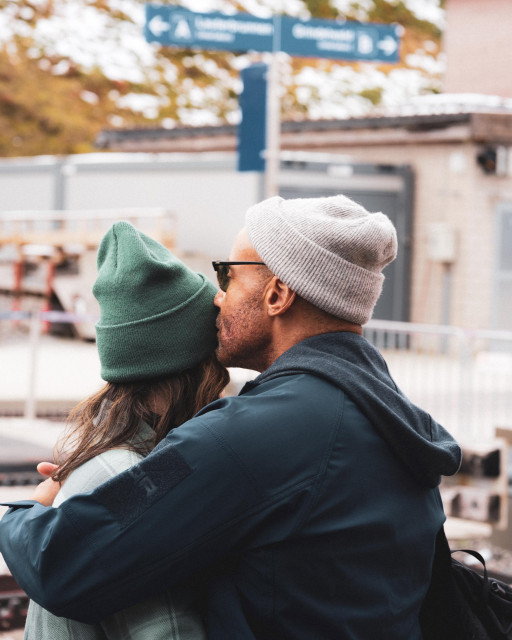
[309, 502]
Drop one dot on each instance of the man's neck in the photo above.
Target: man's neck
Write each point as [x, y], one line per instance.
[286, 339]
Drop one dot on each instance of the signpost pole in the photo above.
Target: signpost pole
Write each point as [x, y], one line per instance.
[273, 116]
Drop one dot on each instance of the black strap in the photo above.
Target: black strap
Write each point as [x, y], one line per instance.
[486, 585]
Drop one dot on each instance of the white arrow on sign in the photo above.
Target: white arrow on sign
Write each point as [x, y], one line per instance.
[158, 25]
[364, 44]
[388, 45]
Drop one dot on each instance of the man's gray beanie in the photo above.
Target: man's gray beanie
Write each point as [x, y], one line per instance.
[330, 251]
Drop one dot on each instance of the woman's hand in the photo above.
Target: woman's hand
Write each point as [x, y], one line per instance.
[47, 490]
[46, 468]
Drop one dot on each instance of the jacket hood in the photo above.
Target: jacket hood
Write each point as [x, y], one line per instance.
[353, 364]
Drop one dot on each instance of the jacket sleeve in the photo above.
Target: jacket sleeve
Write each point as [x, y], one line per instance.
[191, 500]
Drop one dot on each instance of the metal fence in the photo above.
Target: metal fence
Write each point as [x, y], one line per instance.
[462, 377]
[44, 374]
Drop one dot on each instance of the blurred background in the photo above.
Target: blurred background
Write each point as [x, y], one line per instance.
[102, 118]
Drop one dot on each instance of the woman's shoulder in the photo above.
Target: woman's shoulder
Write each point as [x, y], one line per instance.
[96, 471]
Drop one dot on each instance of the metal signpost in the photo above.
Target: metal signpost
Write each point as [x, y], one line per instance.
[339, 40]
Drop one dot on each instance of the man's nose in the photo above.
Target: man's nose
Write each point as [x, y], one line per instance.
[219, 297]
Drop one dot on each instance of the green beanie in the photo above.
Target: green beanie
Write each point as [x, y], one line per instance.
[157, 316]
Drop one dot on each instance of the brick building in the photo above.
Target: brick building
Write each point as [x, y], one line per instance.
[477, 47]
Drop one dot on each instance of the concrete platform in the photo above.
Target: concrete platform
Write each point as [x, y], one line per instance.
[57, 372]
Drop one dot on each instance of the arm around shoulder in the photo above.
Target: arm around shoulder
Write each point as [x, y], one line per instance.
[138, 534]
[24, 530]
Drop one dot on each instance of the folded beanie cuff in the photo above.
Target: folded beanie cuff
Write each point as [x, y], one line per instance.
[168, 312]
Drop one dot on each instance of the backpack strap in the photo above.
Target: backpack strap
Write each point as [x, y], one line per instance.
[486, 584]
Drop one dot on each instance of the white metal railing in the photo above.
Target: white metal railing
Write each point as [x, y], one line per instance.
[37, 322]
[30, 217]
[462, 377]
[61, 227]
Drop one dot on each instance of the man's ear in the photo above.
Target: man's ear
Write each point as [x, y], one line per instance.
[278, 297]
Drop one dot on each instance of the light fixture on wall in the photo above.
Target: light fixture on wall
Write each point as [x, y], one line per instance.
[494, 160]
[487, 159]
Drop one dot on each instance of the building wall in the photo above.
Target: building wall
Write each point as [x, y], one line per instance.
[450, 188]
[477, 47]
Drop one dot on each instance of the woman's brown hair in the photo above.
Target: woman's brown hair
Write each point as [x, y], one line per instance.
[111, 418]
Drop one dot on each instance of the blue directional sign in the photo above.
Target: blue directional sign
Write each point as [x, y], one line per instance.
[172, 25]
[340, 40]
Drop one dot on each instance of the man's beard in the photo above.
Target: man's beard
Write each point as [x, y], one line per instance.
[241, 342]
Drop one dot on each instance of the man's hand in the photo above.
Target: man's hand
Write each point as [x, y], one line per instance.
[46, 491]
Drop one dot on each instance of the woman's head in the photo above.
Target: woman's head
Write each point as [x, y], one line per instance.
[156, 340]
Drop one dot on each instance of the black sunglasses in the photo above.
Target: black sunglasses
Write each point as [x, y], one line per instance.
[222, 270]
